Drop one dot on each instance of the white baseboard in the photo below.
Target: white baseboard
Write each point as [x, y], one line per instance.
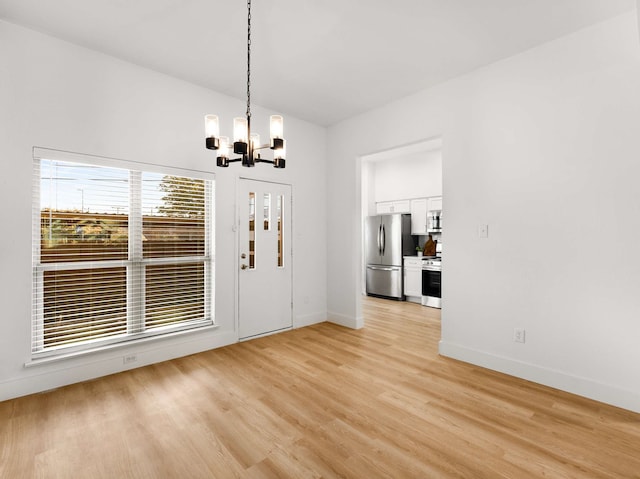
[51, 376]
[309, 319]
[414, 299]
[548, 377]
[346, 321]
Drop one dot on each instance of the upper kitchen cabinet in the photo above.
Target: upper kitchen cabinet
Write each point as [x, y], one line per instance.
[426, 215]
[388, 207]
[419, 216]
[434, 214]
[393, 179]
[435, 203]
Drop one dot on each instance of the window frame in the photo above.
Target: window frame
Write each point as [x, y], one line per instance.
[135, 263]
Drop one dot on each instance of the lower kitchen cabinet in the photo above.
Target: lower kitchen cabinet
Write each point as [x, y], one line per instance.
[413, 278]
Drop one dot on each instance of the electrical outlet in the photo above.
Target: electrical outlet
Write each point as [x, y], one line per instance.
[130, 358]
[518, 335]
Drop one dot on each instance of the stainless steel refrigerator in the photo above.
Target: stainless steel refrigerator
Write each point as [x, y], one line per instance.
[387, 239]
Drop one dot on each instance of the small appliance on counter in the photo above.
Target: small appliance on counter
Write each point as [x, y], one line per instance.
[435, 222]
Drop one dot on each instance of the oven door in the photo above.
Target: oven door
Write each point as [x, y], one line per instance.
[431, 287]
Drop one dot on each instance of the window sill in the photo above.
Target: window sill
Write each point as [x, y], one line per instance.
[115, 346]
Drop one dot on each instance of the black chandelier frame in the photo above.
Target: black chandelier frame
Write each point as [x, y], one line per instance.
[250, 154]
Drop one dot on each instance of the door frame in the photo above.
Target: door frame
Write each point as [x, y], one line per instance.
[236, 250]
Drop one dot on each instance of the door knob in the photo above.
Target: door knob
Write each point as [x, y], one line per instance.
[244, 266]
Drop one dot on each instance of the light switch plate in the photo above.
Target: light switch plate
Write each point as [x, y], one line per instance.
[483, 231]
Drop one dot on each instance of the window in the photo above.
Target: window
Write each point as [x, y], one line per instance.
[121, 251]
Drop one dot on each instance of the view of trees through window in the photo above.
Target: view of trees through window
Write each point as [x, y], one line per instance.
[102, 229]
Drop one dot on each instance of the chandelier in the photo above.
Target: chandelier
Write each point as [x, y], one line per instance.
[246, 143]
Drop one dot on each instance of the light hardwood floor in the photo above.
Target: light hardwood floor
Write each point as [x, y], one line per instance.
[322, 401]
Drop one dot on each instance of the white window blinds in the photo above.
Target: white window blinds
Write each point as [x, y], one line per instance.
[118, 253]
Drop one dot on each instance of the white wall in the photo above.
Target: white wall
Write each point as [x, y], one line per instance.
[542, 145]
[411, 176]
[56, 95]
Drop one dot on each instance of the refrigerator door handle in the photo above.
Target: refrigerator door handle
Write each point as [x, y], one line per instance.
[379, 239]
[384, 240]
[383, 268]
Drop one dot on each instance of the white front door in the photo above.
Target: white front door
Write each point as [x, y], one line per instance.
[264, 289]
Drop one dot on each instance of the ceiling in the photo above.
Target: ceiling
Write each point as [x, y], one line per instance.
[319, 60]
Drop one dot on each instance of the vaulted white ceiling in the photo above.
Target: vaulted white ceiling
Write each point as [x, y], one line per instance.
[320, 60]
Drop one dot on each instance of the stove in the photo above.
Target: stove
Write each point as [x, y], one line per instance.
[432, 262]
[431, 281]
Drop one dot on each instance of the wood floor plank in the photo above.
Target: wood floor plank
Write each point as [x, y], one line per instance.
[318, 402]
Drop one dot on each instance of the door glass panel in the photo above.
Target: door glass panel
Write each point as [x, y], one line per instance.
[267, 211]
[279, 219]
[252, 230]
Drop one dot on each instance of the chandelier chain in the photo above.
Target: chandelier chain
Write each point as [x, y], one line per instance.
[248, 59]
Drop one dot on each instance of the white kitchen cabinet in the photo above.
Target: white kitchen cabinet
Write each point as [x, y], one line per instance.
[388, 207]
[434, 214]
[435, 203]
[384, 207]
[413, 278]
[419, 216]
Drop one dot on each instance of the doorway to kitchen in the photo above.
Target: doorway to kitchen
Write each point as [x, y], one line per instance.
[406, 180]
[264, 266]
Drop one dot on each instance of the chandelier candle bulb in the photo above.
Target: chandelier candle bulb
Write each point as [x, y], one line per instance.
[212, 126]
[279, 156]
[276, 129]
[224, 146]
[212, 130]
[255, 141]
[239, 130]
[240, 137]
[223, 152]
